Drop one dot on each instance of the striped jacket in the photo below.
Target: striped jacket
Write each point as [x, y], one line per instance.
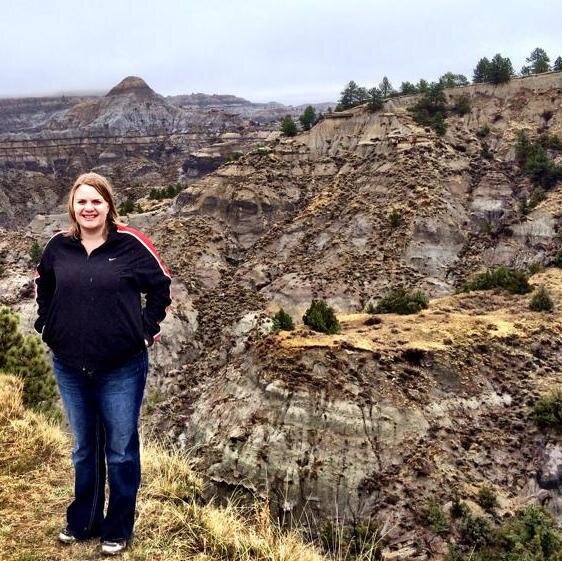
[90, 311]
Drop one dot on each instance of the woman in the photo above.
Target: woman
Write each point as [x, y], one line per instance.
[89, 284]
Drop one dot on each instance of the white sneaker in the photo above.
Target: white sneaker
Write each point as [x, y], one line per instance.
[113, 548]
[65, 536]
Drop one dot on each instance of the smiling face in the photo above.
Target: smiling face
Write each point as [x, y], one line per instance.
[90, 209]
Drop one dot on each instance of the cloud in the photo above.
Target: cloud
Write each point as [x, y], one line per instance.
[295, 51]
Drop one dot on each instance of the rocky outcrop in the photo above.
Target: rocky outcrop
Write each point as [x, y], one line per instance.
[311, 217]
[132, 134]
[387, 414]
[393, 410]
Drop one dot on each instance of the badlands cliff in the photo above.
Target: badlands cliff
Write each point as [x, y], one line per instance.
[393, 411]
[132, 134]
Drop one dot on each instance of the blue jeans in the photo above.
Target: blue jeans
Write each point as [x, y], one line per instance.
[103, 411]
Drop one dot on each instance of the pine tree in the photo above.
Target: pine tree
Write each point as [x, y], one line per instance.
[385, 87]
[501, 70]
[24, 357]
[430, 108]
[558, 64]
[423, 86]
[482, 71]
[288, 126]
[450, 80]
[283, 321]
[35, 252]
[347, 96]
[321, 317]
[127, 207]
[539, 61]
[351, 96]
[28, 361]
[375, 102]
[308, 118]
[407, 88]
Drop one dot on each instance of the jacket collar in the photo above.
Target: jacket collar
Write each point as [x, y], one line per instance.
[111, 236]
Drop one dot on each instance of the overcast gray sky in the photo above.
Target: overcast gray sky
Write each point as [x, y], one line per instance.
[293, 51]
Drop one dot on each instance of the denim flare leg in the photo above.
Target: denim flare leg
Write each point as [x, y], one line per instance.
[103, 411]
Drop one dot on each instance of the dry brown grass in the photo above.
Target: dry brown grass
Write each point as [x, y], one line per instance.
[36, 486]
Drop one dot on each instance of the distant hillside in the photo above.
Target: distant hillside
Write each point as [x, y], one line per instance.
[207, 100]
[20, 114]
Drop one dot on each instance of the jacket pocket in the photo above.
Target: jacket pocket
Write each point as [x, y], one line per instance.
[48, 327]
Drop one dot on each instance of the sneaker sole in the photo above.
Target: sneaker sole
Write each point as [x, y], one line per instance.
[115, 551]
[67, 540]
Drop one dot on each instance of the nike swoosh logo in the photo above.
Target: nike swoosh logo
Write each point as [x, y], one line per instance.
[112, 258]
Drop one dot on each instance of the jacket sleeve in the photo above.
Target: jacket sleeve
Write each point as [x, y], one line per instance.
[45, 285]
[155, 281]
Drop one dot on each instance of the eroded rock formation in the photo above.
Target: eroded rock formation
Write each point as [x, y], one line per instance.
[389, 412]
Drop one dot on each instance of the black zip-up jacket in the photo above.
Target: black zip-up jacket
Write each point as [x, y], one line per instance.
[89, 306]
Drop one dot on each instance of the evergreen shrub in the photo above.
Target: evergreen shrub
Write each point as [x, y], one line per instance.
[476, 531]
[127, 207]
[288, 126]
[35, 252]
[282, 321]
[541, 300]
[430, 109]
[530, 535]
[402, 302]
[321, 317]
[534, 160]
[308, 118]
[395, 218]
[550, 142]
[168, 192]
[434, 516]
[24, 356]
[515, 281]
[548, 411]
[487, 498]
[233, 156]
[459, 508]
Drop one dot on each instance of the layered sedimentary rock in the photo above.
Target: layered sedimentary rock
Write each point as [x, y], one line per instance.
[310, 217]
[386, 414]
[132, 134]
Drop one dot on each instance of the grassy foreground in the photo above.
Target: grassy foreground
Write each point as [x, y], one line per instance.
[36, 486]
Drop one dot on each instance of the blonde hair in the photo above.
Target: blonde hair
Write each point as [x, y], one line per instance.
[104, 188]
